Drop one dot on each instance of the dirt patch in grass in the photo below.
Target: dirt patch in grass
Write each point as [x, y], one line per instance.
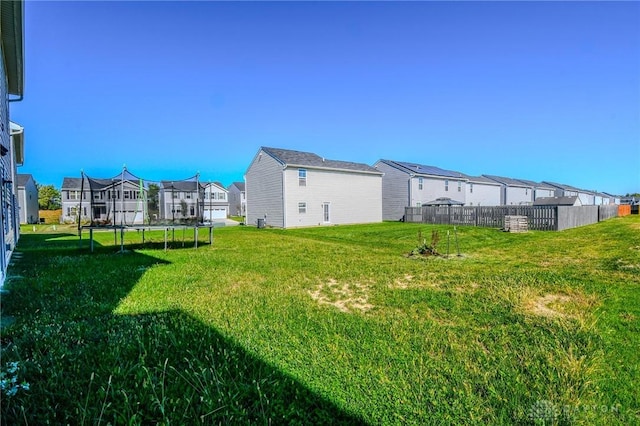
[346, 297]
[542, 306]
[408, 281]
[574, 306]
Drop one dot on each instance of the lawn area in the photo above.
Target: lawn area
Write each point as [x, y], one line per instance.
[325, 325]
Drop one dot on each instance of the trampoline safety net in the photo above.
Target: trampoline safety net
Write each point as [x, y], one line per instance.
[128, 200]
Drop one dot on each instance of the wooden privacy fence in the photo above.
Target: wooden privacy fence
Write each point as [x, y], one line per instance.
[541, 218]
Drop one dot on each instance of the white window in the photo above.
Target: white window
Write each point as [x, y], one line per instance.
[74, 195]
[302, 208]
[302, 177]
[459, 186]
[420, 183]
[176, 195]
[471, 189]
[446, 185]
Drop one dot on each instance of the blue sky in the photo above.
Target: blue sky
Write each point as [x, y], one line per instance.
[532, 90]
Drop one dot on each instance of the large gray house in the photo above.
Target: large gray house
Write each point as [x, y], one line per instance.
[287, 188]
[407, 184]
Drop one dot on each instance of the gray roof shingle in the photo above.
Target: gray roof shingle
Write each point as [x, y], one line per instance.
[422, 169]
[308, 159]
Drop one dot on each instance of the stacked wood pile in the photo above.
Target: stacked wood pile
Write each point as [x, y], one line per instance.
[516, 224]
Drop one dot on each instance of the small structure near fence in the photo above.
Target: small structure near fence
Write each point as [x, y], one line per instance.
[541, 218]
[516, 224]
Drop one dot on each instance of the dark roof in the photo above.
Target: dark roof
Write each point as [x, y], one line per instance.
[508, 181]
[481, 179]
[422, 169]
[563, 186]
[239, 185]
[180, 185]
[308, 159]
[73, 183]
[443, 201]
[538, 185]
[23, 179]
[555, 201]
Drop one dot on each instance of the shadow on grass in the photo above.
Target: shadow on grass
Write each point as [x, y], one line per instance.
[86, 365]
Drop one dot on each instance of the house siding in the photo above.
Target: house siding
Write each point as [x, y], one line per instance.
[436, 187]
[28, 202]
[517, 196]
[361, 203]
[395, 191]
[8, 198]
[482, 194]
[264, 191]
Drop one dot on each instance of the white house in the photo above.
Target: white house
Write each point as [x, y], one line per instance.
[407, 184]
[514, 192]
[11, 90]
[286, 189]
[482, 191]
[27, 198]
[215, 201]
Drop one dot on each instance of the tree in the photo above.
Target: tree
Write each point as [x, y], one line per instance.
[48, 197]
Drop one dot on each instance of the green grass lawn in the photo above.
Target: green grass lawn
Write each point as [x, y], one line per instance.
[325, 325]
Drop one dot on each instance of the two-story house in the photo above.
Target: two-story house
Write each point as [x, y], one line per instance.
[237, 199]
[27, 198]
[514, 192]
[180, 200]
[482, 191]
[215, 204]
[407, 184]
[287, 188]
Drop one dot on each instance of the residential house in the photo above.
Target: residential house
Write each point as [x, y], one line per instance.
[102, 201]
[587, 198]
[75, 196]
[514, 192]
[286, 188]
[540, 189]
[180, 200]
[613, 199]
[27, 198]
[11, 90]
[237, 199]
[482, 191]
[407, 184]
[216, 201]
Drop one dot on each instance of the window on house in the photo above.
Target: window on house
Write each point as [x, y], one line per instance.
[302, 208]
[459, 186]
[188, 195]
[175, 195]
[420, 183]
[192, 211]
[74, 195]
[127, 195]
[471, 188]
[302, 177]
[446, 185]
[223, 196]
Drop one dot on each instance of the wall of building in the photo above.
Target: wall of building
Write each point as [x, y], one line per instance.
[352, 197]
[263, 187]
